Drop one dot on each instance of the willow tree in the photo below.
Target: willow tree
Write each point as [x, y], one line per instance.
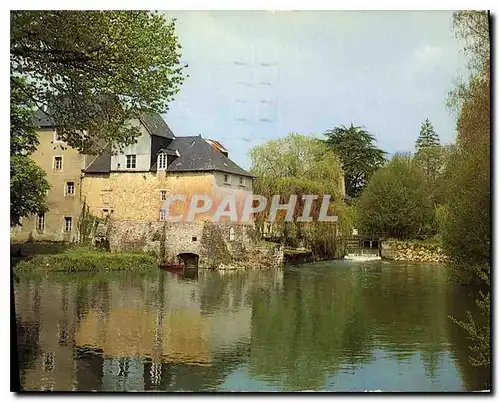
[301, 165]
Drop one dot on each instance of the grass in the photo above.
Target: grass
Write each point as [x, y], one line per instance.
[79, 259]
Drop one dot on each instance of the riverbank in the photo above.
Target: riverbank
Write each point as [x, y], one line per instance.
[413, 250]
[80, 259]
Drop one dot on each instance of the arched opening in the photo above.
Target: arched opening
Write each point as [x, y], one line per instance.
[190, 260]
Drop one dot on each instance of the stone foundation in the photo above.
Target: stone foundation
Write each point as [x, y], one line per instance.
[217, 245]
[412, 251]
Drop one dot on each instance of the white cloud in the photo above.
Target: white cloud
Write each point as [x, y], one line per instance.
[427, 57]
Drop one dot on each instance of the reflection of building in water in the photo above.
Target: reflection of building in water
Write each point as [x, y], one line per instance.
[135, 335]
[45, 309]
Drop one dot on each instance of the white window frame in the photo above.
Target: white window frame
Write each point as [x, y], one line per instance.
[163, 215]
[40, 217]
[162, 161]
[228, 181]
[66, 193]
[54, 163]
[56, 138]
[132, 157]
[161, 195]
[65, 227]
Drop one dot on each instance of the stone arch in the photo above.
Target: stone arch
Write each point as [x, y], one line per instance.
[189, 259]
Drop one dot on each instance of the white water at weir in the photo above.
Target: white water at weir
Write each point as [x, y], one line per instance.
[363, 255]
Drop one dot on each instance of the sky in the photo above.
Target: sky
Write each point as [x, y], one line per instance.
[260, 75]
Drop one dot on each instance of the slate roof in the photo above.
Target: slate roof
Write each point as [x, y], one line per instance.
[42, 120]
[155, 124]
[101, 164]
[196, 154]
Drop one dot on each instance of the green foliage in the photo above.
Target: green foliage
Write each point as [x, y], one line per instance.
[478, 328]
[301, 165]
[95, 70]
[86, 224]
[85, 259]
[28, 188]
[472, 27]
[28, 185]
[23, 137]
[428, 138]
[395, 202]
[358, 155]
[466, 229]
[429, 157]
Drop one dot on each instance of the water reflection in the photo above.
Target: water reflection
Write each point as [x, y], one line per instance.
[335, 326]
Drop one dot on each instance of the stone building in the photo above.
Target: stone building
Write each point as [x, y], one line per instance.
[130, 186]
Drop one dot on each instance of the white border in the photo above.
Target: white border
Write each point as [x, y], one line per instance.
[193, 5]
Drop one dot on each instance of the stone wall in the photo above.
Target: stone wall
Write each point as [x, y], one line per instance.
[218, 245]
[412, 251]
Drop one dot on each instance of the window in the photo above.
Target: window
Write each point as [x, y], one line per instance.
[58, 163]
[163, 215]
[162, 161]
[67, 224]
[70, 188]
[194, 238]
[40, 222]
[226, 179]
[48, 361]
[242, 181]
[163, 195]
[130, 161]
[231, 234]
[56, 137]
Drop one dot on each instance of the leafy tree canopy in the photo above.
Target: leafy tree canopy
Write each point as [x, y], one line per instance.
[94, 70]
[28, 184]
[302, 165]
[358, 154]
[395, 203]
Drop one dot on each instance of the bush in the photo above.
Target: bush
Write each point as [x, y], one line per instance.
[84, 259]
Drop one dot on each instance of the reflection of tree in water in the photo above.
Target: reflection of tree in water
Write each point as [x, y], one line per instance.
[460, 299]
[298, 335]
[319, 326]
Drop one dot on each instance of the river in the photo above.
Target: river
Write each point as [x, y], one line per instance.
[332, 326]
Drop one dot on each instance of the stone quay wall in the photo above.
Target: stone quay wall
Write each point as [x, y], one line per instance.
[412, 251]
[221, 245]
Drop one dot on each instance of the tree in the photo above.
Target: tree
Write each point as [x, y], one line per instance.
[395, 202]
[473, 28]
[466, 225]
[428, 138]
[301, 165]
[28, 185]
[95, 70]
[466, 230]
[358, 155]
[28, 188]
[429, 156]
[91, 71]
